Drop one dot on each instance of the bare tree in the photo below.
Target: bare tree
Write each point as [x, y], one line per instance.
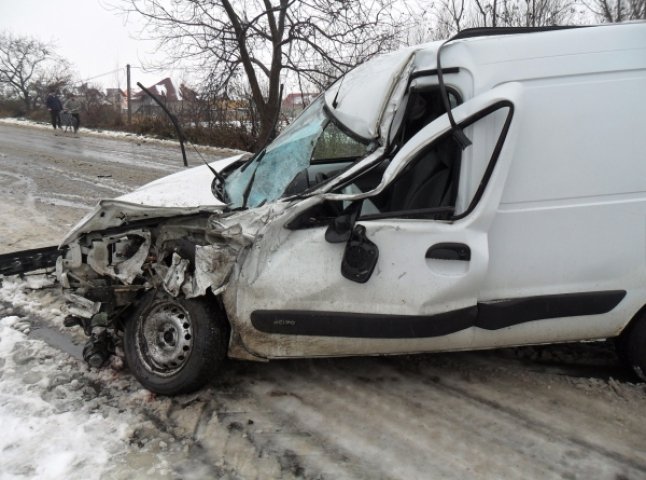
[453, 16]
[618, 10]
[22, 62]
[262, 40]
[54, 76]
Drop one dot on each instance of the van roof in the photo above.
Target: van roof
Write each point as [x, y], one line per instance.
[501, 45]
[490, 57]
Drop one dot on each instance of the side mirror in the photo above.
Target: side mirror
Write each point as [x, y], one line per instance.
[360, 256]
[341, 227]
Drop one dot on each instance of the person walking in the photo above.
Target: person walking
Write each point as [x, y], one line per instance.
[54, 106]
[73, 107]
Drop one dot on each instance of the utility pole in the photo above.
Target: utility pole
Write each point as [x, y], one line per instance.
[128, 81]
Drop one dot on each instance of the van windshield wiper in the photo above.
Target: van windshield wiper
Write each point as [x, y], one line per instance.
[247, 190]
[218, 189]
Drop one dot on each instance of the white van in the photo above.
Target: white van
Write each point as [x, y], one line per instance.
[378, 223]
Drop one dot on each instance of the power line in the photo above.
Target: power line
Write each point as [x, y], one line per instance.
[97, 76]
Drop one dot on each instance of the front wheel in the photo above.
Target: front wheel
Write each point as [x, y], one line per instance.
[174, 345]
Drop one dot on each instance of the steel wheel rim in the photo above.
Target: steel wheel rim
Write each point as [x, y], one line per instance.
[164, 339]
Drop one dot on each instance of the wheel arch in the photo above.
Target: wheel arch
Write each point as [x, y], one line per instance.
[641, 313]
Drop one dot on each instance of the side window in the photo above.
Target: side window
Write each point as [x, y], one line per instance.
[422, 108]
[428, 186]
[430, 181]
[335, 144]
[442, 182]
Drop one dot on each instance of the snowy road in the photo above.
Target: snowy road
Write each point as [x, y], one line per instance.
[48, 182]
[544, 412]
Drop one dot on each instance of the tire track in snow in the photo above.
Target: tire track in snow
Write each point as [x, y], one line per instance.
[371, 419]
[16, 182]
[407, 433]
[585, 452]
[91, 180]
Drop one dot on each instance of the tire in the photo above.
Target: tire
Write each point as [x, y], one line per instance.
[174, 345]
[631, 347]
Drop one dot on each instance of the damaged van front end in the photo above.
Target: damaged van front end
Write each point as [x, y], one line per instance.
[105, 271]
[412, 207]
[180, 241]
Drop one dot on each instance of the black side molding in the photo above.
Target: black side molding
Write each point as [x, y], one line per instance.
[361, 325]
[498, 314]
[491, 315]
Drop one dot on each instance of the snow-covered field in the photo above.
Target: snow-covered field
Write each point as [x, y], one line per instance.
[549, 412]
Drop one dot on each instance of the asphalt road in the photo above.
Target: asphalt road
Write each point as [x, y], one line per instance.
[50, 181]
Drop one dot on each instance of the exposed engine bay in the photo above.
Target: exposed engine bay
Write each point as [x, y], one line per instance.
[104, 273]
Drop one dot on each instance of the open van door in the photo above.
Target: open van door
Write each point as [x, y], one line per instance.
[400, 270]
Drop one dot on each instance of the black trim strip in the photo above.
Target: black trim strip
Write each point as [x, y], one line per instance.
[430, 73]
[491, 315]
[361, 325]
[499, 314]
[491, 31]
[494, 155]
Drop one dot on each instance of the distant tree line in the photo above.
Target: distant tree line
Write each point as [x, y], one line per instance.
[452, 16]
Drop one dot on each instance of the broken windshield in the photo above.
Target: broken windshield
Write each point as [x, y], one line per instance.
[268, 175]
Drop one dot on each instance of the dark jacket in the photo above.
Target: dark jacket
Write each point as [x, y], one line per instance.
[53, 103]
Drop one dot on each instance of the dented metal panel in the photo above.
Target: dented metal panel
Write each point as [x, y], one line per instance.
[359, 98]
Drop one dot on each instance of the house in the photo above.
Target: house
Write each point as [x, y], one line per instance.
[164, 91]
[295, 103]
[117, 98]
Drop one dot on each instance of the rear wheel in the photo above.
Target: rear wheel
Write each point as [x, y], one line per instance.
[174, 345]
[631, 347]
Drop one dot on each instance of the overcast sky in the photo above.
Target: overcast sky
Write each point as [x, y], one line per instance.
[85, 32]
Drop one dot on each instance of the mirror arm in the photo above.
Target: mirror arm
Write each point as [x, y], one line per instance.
[340, 229]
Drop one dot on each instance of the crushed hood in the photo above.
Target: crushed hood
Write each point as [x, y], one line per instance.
[182, 193]
[187, 188]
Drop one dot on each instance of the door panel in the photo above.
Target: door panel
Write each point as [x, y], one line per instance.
[292, 299]
[301, 296]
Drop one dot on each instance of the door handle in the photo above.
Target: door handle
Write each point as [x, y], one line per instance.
[449, 251]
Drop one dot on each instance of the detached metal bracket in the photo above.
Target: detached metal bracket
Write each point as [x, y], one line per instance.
[172, 117]
[25, 261]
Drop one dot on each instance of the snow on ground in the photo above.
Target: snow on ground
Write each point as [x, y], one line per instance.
[51, 425]
[49, 431]
[61, 419]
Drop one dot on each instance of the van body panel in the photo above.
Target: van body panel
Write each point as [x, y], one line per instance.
[572, 217]
[443, 289]
[534, 233]
[557, 215]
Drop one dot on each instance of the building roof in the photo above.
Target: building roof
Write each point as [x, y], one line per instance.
[298, 99]
[164, 88]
